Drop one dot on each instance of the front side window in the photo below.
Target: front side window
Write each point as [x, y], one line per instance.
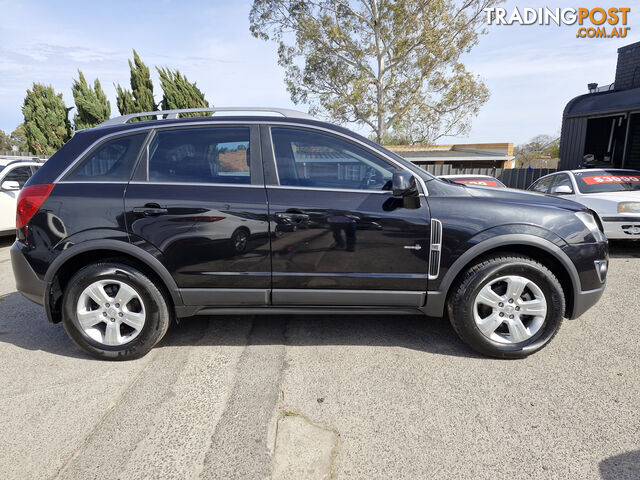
[18, 174]
[542, 185]
[311, 159]
[201, 155]
[111, 161]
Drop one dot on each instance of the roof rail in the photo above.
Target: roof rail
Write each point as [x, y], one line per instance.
[173, 114]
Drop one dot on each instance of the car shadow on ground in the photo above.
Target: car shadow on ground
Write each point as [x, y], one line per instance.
[416, 332]
[24, 324]
[621, 467]
[624, 248]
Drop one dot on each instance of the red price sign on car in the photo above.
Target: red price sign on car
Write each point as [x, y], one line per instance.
[484, 183]
[610, 179]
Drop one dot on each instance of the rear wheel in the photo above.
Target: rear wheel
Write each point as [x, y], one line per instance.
[507, 306]
[114, 311]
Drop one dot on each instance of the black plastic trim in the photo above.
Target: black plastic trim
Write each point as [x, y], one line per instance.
[309, 310]
[225, 296]
[307, 296]
[119, 246]
[436, 299]
[621, 219]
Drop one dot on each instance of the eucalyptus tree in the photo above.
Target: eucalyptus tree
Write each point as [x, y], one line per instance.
[393, 65]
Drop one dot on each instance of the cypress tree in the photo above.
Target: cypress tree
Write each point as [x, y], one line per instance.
[178, 92]
[46, 120]
[92, 106]
[141, 84]
[140, 97]
[126, 103]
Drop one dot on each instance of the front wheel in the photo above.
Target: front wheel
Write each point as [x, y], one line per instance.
[507, 306]
[114, 311]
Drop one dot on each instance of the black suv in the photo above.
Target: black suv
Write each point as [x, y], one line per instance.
[134, 223]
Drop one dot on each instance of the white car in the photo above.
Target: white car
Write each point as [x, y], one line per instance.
[614, 194]
[14, 173]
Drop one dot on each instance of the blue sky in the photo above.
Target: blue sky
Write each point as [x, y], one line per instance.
[531, 71]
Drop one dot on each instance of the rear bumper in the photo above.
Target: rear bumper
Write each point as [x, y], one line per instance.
[584, 300]
[27, 282]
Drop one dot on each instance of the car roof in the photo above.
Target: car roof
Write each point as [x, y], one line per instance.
[6, 161]
[597, 169]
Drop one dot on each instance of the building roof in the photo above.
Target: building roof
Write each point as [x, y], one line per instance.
[603, 102]
[476, 152]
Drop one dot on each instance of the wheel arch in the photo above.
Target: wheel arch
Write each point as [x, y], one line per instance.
[74, 258]
[538, 248]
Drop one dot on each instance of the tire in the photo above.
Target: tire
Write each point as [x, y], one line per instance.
[103, 328]
[521, 328]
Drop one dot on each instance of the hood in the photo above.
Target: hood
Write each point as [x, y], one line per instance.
[626, 196]
[521, 197]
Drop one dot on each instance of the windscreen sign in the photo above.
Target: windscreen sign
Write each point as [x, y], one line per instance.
[592, 22]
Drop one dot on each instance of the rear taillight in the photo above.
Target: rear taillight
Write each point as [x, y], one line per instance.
[29, 201]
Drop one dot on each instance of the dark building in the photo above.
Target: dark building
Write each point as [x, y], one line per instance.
[603, 126]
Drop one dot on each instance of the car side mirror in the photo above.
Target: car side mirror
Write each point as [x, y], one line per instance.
[404, 184]
[10, 185]
[562, 190]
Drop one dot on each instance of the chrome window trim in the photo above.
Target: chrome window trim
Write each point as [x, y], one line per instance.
[213, 121]
[114, 182]
[197, 184]
[327, 189]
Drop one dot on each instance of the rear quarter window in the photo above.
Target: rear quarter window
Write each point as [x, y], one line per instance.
[112, 160]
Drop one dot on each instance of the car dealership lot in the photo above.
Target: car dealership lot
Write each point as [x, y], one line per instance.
[297, 397]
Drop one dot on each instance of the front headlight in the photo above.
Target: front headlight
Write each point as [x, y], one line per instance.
[591, 224]
[629, 207]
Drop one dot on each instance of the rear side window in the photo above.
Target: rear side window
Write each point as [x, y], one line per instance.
[18, 174]
[201, 155]
[110, 161]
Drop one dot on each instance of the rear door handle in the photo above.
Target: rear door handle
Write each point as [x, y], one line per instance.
[150, 210]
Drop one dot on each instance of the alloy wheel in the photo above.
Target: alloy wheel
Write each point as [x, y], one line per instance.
[510, 309]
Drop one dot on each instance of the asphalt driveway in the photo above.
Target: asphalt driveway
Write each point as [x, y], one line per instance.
[311, 397]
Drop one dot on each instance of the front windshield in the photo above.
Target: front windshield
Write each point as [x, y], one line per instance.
[601, 181]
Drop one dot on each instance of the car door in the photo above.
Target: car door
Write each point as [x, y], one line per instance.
[339, 236]
[9, 197]
[197, 201]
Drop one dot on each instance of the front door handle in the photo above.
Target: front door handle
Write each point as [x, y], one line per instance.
[150, 210]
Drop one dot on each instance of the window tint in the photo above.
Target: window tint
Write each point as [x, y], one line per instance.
[542, 185]
[201, 155]
[313, 159]
[18, 174]
[111, 161]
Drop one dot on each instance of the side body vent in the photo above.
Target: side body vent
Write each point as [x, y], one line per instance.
[436, 248]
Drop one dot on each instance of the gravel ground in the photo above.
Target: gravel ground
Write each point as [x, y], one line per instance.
[352, 397]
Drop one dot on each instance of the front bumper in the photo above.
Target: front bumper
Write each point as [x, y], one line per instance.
[584, 300]
[621, 227]
[27, 282]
